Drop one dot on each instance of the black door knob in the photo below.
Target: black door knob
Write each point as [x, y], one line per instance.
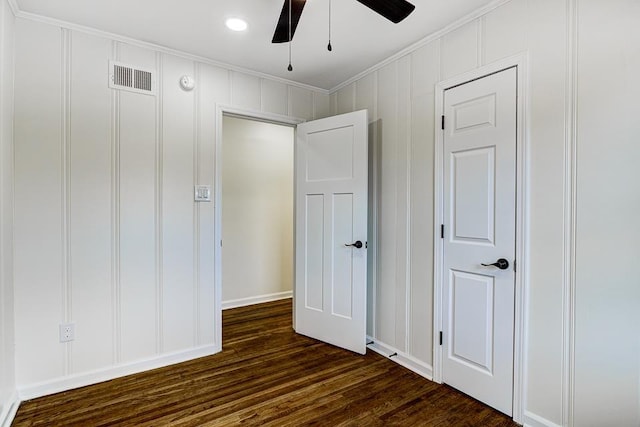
[502, 264]
[357, 244]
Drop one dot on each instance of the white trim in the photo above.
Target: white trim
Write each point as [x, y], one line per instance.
[162, 49]
[243, 302]
[13, 5]
[570, 220]
[420, 43]
[533, 420]
[124, 39]
[222, 110]
[375, 203]
[33, 391]
[519, 61]
[10, 408]
[401, 358]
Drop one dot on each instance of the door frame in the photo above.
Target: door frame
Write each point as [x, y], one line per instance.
[520, 62]
[221, 111]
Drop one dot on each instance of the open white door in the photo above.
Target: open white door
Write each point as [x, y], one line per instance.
[331, 230]
[479, 238]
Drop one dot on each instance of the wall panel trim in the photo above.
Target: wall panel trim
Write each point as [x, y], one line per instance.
[570, 221]
[159, 162]
[196, 208]
[115, 215]
[65, 165]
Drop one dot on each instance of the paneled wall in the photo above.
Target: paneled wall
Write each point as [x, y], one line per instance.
[401, 97]
[607, 294]
[108, 236]
[8, 394]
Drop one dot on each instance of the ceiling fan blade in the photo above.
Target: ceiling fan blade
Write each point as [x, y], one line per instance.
[281, 35]
[394, 10]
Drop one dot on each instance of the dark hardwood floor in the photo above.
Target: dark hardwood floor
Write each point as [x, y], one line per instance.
[265, 375]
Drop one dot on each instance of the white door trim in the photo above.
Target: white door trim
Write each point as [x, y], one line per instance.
[522, 221]
[221, 110]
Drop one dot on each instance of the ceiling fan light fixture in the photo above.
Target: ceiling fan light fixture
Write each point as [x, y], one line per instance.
[236, 24]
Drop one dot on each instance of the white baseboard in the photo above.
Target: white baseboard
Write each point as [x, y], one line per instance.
[242, 302]
[9, 410]
[401, 358]
[533, 420]
[32, 391]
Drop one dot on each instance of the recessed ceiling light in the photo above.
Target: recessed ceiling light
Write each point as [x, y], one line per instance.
[236, 24]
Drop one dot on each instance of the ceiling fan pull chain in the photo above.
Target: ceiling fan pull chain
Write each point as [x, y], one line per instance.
[290, 67]
[329, 48]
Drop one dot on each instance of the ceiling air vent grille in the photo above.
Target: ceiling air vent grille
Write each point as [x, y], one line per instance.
[131, 78]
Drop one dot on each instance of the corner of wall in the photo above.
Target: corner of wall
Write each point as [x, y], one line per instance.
[9, 401]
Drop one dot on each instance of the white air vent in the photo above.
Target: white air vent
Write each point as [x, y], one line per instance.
[131, 78]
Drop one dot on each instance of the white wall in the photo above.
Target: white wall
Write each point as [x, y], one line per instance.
[400, 98]
[107, 234]
[136, 279]
[257, 210]
[8, 394]
[607, 369]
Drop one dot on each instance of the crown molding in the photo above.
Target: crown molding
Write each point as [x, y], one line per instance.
[409, 49]
[428, 39]
[159, 48]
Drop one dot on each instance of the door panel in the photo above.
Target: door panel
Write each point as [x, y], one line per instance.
[473, 195]
[313, 253]
[341, 283]
[331, 212]
[472, 318]
[480, 190]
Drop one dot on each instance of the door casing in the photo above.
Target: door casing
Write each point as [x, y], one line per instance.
[222, 110]
[522, 220]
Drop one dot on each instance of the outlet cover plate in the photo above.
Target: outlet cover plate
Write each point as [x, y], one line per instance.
[67, 332]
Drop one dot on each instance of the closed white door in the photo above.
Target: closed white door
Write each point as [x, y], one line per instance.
[331, 230]
[479, 238]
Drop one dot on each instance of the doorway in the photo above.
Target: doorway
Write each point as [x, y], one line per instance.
[257, 211]
[481, 219]
[330, 158]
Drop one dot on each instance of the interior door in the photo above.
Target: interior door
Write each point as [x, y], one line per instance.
[479, 244]
[331, 230]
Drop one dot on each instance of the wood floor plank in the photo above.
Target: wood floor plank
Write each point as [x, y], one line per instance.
[269, 376]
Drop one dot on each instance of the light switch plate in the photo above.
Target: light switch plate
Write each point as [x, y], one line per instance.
[202, 193]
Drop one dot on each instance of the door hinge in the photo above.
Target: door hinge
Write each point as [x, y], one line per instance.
[442, 231]
[366, 244]
[442, 123]
[440, 337]
[514, 265]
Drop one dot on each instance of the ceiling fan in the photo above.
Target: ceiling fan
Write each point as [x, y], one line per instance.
[394, 10]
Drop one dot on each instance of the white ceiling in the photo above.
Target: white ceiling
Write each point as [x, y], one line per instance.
[360, 37]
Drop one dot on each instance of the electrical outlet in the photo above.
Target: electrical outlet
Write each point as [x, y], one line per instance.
[67, 332]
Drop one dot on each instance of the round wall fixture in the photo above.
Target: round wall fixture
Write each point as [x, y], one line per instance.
[187, 83]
